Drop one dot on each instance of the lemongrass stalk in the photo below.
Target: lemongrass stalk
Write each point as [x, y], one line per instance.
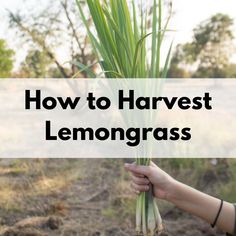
[152, 223]
[159, 34]
[120, 45]
[139, 210]
[139, 216]
[144, 213]
[160, 226]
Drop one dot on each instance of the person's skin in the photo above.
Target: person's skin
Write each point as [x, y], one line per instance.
[181, 195]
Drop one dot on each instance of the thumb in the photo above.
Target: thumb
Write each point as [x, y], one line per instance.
[137, 169]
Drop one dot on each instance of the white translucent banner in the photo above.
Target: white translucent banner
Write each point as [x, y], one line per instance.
[125, 118]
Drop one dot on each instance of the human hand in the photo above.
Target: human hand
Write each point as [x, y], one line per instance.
[143, 176]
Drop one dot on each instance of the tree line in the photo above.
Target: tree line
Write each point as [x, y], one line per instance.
[58, 27]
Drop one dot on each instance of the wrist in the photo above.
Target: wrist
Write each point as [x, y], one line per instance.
[173, 191]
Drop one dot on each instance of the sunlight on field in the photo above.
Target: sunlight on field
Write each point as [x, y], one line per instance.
[21, 179]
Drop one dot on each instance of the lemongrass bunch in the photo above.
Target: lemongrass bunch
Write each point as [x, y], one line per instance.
[121, 43]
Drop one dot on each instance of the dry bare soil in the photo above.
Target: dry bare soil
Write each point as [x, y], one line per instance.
[77, 198]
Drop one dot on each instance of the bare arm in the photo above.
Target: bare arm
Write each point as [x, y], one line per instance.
[182, 196]
[203, 206]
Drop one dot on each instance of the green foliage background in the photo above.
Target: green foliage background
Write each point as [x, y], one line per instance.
[6, 60]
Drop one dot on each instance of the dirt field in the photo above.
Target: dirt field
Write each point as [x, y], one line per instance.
[77, 197]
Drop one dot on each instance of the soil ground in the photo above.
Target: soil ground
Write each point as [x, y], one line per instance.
[77, 198]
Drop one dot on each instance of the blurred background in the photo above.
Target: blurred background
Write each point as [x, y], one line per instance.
[40, 39]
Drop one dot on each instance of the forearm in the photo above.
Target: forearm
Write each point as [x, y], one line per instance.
[202, 205]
